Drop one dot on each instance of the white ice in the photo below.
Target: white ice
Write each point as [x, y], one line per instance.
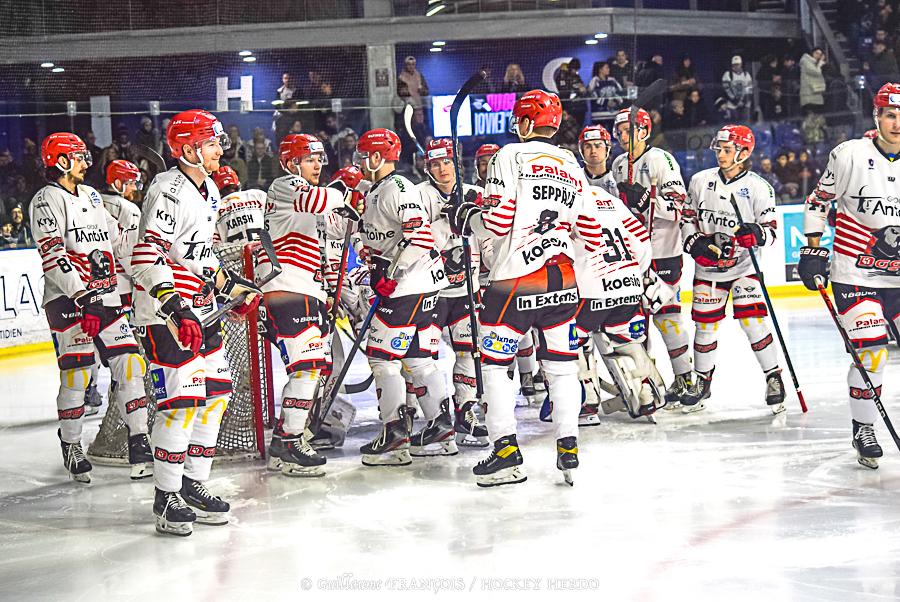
[727, 504]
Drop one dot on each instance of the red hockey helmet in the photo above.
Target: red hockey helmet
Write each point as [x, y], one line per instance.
[225, 177]
[294, 147]
[437, 149]
[123, 171]
[487, 150]
[380, 140]
[542, 109]
[739, 135]
[594, 133]
[642, 119]
[193, 128]
[63, 143]
[351, 176]
[888, 96]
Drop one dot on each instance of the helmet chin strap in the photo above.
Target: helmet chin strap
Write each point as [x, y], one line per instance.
[369, 168]
[199, 165]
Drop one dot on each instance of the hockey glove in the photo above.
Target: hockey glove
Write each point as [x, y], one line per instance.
[657, 293]
[461, 216]
[703, 250]
[354, 201]
[182, 322]
[231, 285]
[379, 280]
[813, 262]
[91, 308]
[351, 176]
[473, 196]
[636, 197]
[750, 235]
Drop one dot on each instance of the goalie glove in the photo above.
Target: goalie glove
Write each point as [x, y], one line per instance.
[657, 294]
[354, 201]
[636, 197]
[90, 305]
[182, 322]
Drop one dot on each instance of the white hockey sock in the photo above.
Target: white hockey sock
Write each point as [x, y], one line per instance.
[202, 444]
[128, 372]
[674, 335]
[525, 360]
[70, 402]
[499, 402]
[171, 433]
[297, 399]
[430, 381]
[862, 406]
[389, 386]
[464, 377]
[565, 391]
[705, 345]
[761, 342]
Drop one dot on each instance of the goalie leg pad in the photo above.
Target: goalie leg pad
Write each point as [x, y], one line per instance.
[635, 374]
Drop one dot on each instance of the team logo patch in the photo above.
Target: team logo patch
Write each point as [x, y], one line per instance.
[497, 344]
[401, 342]
[95, 198]
[158, 378]
[637, 329]
[573, 337]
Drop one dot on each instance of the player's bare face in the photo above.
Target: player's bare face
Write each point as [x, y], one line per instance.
[482, 165]
[130, 189]
[442, 171]
[311, 168]
[79, 167]
[889, 125]
[595, 153]
[726, 155]
[622, 135]
[212, 152]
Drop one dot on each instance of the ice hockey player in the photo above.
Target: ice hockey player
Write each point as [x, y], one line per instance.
[296, 300]
[406, 274]
[720, 245]
[482, 156]
[176, 276]
[75, 237]
[654, 166]
[595, 143]
[452, 305]
[534, 196]
[864, 275]
[241, 212]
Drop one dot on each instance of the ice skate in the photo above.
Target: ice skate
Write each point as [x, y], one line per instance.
[140, 457]
[299, 459]
[437, 437]
[469, 431]
[76, 463]
[527, 390]
[589, 414]
[173, 516]
[677, 391]
[567, 457]
[322, 441]
[699, 392]
[277, 449]
[208, 508]
[775, 392]
[391, 447]
[867, 449]
[503, 466]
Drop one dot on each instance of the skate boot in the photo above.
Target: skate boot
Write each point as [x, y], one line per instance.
[173, 516]
[276, 452]
[677, 391]
[300, 459]
[775, 392]
[589, 414]
[437, 438]
[867, 449]
[699, 391]
[503, 466]
[140, 457]
[208, 508]
[74, 460]
[92, 399]
[567, 457]
[469, 432]
[526, 388]
[391, 447]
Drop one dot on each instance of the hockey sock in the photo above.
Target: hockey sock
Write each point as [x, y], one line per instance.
[171, 433]
[761, 342]
[862, 408]
[464, 377]
[705, 345]
[128, 372]
[389, 386]
[205, 432]
[70, 402]
[499, 402]
[430, 382]
[525, 360]
[675, 337]
[297, 399]
[565, 391]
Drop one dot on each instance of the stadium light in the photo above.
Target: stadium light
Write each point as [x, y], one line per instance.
[46, 65]
[435, 10]
[57, 70]
[439, 43]
[245, 53]
[601, 35]
[435, 49]
[591, 42]
[249, 59]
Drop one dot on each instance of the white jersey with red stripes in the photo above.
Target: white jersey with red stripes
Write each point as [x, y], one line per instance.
[450, 244]
[657, 165]
[612, 250]
[175, 245]
[239, 212]
[128, 217]
[75, 237]
[396, 227]
[863, 184]
[607, 182]
[533, 194]
[708, 209]
[294, 212]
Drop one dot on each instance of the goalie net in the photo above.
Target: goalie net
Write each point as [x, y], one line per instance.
[251, 409]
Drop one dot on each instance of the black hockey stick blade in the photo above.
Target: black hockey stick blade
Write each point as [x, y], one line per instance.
[408, 111]
[648, 95]
[466, 89]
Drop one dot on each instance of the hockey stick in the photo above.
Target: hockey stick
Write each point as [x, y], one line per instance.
[765, 291]
[649, 93]
[142, 151]
[820, 284]
[466, 89]
[407, 121]
[342, 273]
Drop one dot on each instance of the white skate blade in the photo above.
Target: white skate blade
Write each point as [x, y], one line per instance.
[567, 475]
[215, 519]
[777, 408]
[84, 477]
[470, 440]
[589, 420]
[506, 476]
[650, 418]
[397, 457]
[171, 528]
[868, 462]
[274, 463]
[90, 410]
[441, 448]
[673, 405]
[321, 444]
[290, 469]
[697, 407]
[141, 470]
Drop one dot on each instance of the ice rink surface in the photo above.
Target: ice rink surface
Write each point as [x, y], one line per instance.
[728, 504]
